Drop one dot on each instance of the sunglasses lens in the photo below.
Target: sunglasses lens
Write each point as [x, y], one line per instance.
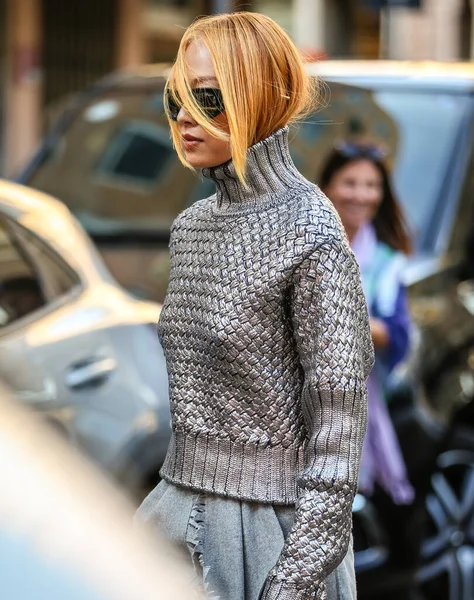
[210, 100]
[351, 150]
[172, 106]
[348, 150]
[377, 154]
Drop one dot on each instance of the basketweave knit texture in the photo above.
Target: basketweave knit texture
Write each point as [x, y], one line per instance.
[267, 342]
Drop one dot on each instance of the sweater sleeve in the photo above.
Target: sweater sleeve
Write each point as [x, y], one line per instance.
[332, 333]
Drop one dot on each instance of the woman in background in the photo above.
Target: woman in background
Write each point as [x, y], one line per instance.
[357, 182]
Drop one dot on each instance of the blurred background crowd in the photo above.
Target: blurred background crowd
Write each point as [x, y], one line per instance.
[84, 266]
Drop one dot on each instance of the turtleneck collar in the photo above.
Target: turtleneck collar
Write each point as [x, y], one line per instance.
[270, 173]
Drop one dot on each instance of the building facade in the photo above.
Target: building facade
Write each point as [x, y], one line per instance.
[439, 30]
[50, 49]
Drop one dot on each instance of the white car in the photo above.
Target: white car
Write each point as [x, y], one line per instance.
[74, 345]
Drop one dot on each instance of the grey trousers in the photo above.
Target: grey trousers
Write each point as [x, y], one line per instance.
[233, 544]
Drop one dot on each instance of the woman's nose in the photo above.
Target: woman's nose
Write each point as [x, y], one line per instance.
[184, 118]
[362, 194]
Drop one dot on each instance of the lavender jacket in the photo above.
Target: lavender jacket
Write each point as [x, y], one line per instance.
[381, 267]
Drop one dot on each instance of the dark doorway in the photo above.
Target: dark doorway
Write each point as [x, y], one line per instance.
[465, 30]
[339, 28]
[352, 30]
[78, 44]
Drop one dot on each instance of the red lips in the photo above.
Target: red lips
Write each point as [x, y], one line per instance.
[190, 138]
[190, 142]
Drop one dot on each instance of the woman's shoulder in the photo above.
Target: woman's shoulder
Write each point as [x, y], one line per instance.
[198, 210]
[316, 221]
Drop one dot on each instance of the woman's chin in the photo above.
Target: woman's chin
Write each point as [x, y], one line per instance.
[197, 164]
[205, 162]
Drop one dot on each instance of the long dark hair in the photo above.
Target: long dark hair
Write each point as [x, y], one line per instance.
[389, 222]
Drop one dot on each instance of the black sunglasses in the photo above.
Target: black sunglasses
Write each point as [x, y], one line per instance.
[209, 100]
[353, 150]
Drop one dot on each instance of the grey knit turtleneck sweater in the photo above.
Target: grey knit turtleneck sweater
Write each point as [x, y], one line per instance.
[267, 342]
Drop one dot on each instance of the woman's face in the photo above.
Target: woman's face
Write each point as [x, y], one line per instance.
[200, 148]
[356, 191]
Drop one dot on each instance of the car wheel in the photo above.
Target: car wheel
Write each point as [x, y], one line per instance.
[447, 553]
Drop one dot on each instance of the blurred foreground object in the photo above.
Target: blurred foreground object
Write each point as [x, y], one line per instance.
[67, 534]
[74, 345]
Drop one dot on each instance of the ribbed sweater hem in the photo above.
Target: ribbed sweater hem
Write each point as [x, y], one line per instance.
[233, 469]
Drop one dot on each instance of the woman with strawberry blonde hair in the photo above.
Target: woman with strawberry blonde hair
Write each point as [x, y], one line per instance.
[265, 332]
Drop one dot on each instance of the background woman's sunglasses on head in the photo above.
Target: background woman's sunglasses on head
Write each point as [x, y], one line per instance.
[353, 150]
[209, 100]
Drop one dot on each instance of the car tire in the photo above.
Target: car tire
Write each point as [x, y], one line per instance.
[447, 552]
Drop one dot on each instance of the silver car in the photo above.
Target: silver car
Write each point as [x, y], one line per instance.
[74, 345]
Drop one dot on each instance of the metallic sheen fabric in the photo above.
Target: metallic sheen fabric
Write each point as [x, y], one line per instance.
[267, 341]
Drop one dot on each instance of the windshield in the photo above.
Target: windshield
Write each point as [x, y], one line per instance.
[425, 148]
[115, 167]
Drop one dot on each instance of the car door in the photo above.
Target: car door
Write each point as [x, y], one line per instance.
[55, 353]
[126, 185]
[22, 304]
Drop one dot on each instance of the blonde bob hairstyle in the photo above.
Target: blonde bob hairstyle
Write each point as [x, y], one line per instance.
[261, 75]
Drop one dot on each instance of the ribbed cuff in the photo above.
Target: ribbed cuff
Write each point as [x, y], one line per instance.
[275, 589]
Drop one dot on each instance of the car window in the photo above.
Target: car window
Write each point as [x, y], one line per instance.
[137, 153]
[20, 291]
[419, 165]
[30, 276]
[126, 178]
